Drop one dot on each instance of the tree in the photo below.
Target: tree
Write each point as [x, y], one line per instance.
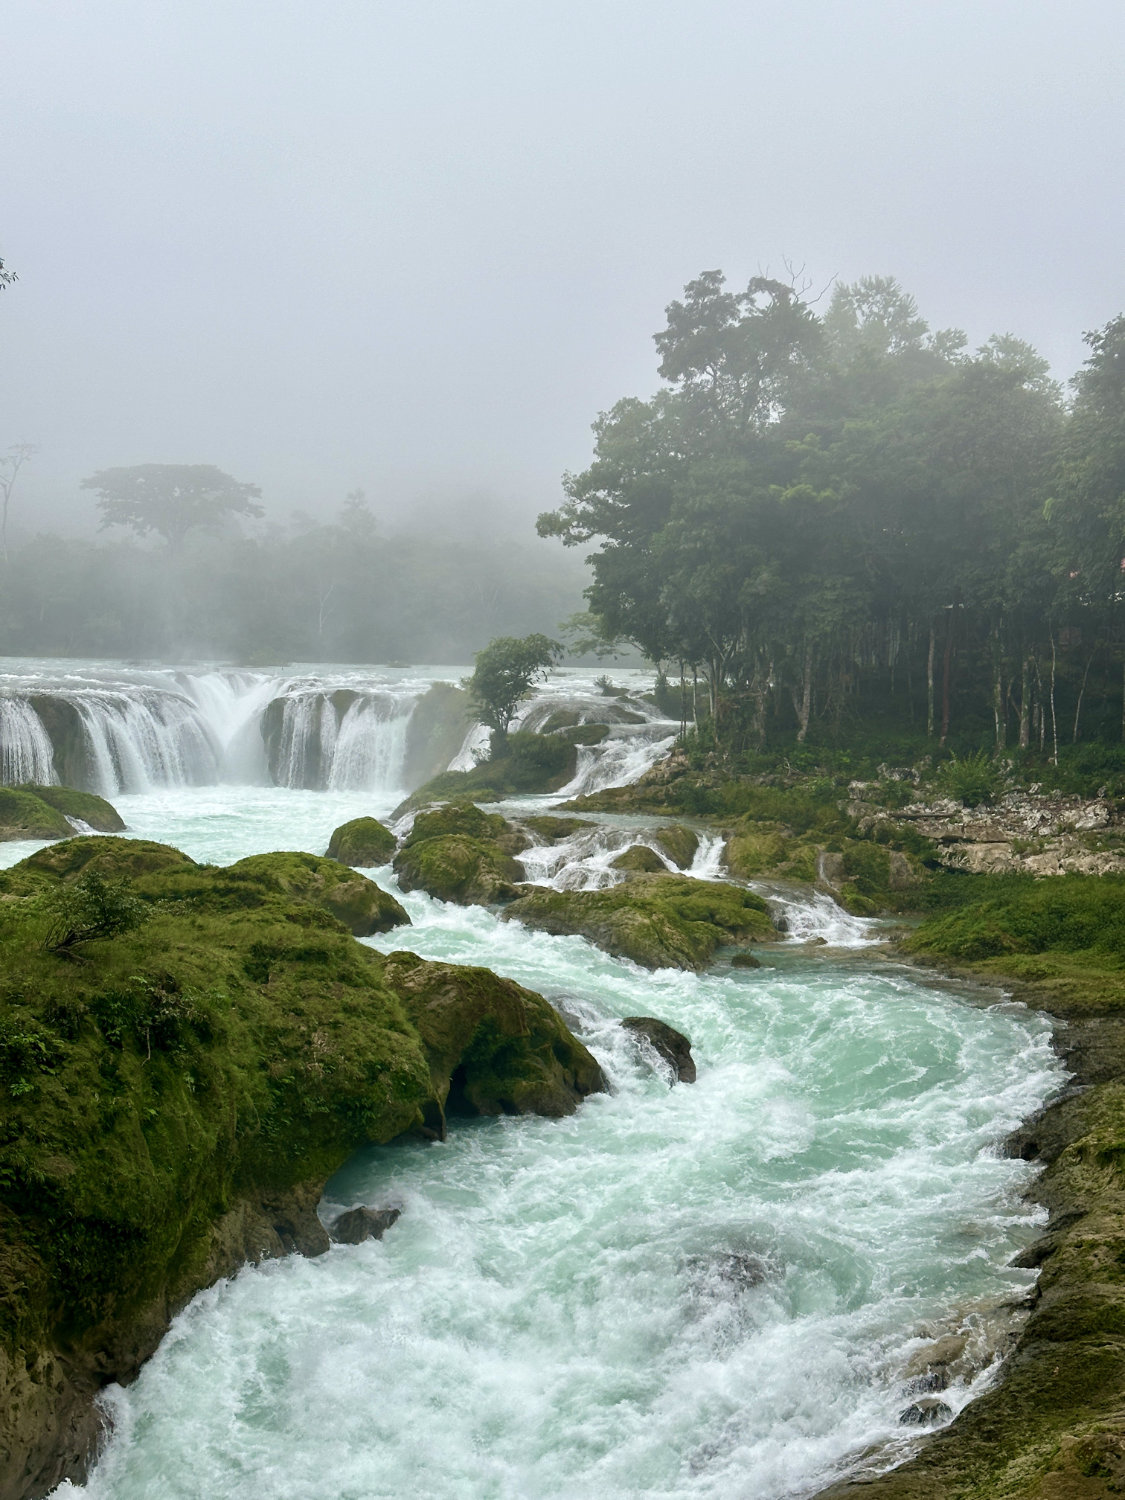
[10, 466]
[170, 499]
[6, 277]
[503, 677]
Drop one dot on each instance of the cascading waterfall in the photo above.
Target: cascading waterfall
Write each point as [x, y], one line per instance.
[370, 749]
[134, 743]
[26, 753]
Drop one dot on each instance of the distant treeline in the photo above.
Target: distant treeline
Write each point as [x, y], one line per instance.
[838, 521]
[340, 591]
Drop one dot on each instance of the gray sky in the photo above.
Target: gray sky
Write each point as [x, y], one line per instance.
[417, 247]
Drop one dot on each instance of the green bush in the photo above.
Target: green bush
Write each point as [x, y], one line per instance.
[971, 779]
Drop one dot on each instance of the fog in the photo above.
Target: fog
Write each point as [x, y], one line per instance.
[415, 249]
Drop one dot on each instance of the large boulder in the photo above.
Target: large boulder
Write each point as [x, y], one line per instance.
[494, 1047]
[23, 815]
[362, 843]
[659, 921]
[362, 906]
[458, 853]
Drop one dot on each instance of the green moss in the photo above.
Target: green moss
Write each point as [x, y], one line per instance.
[532, 763]
[459, 853]
[641, 860]
[363, 843]
[680, 844]
[659, 921]
[90, 808]
[23, 815]
[754, 851]
[239, 1042]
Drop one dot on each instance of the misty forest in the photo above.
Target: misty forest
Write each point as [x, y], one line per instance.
[542, 960]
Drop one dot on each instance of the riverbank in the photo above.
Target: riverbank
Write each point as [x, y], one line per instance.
[1052, 1428]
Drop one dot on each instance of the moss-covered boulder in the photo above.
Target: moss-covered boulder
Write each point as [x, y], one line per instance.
[494, 1048]
[530, 764]
[351, 898]
[552, 829]
[174, 1102]
[23, 815]
[459, 853]
[640, 860]
[362, 843]
[88, 807]
[680, 844]
[659, 921]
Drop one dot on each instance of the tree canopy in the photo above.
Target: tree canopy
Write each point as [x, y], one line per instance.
[504, 675]
[170, 499]
[825, 514]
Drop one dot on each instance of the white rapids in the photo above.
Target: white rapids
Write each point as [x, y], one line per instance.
[704, 1292]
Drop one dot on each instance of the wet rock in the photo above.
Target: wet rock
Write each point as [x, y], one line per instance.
[672, 1045]
[942, 1351]
[745, 961]
[358, 1224]
[363, 843]
[680, 844]
[928, 1411]
[640, 859]
[932, 1380]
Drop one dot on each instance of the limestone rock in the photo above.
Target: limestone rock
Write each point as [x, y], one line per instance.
[362, 843]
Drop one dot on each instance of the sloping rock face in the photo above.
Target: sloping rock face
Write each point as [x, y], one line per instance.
[1024, 832]
[177, 1095]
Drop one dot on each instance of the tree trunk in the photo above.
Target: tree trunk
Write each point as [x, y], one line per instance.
[803, 703]
[946, 674]
[1025, 704]
[1081, 695]
[1054, 719]
[998, 714]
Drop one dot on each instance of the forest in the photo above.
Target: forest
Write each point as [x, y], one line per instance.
[179, 577]
[837, 522]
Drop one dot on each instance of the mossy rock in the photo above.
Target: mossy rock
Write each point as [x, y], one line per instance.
[680, 844]
[658, 921]
[551, 829]
[584, 734]
[93, 810]
[435, 732]
[174, 1102]
[351, 898]
[362, 843]
[459, 853]
[531, 764]
[494, 1047]
[754, 851]
[23, 815]
[640, 860]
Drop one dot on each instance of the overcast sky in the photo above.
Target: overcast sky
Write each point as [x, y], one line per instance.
[416, 247]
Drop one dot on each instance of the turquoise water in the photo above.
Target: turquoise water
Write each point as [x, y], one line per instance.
[699, 1291]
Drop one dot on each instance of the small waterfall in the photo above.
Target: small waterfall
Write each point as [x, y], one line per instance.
[583, 862]
[708, 861]
[307, 741]
[25, 749]
[811, 916]
[370, 750]
[619, 760]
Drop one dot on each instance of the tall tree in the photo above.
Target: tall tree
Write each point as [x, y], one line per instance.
[171, 499]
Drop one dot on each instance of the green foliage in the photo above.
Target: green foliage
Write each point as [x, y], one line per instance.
[971, 779]
[995, 916]
[170, 499]
[91, 907]
[504, 675]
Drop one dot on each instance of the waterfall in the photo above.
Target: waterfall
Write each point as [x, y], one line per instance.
[25, 749]
[138, 741]
[370, 749]
[619, 760]
[813, 916]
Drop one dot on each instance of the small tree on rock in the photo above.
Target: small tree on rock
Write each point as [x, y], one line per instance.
[505, 672]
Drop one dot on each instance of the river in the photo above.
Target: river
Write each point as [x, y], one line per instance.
[708, 1290]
